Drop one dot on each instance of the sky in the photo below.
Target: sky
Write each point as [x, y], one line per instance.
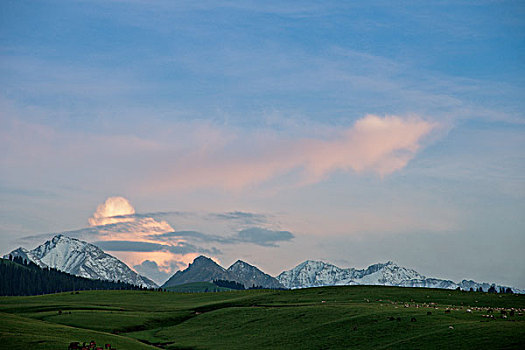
[272, 132]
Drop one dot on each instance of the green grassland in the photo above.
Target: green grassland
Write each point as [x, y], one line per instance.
[353, 317]
[198, 287]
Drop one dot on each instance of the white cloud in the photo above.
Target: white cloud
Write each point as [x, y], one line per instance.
[113, 206]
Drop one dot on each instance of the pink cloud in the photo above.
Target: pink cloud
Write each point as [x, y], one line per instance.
[185, 156]
[380, 145]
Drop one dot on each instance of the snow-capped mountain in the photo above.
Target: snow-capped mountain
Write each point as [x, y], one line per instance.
[317, 273]
[81, 259]
[388, 274]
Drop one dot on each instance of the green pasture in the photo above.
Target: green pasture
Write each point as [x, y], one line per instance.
[197, 287]
[353, 317]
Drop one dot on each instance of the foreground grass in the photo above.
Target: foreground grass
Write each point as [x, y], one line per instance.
[197, 287]
[25, 333]
[357, 317]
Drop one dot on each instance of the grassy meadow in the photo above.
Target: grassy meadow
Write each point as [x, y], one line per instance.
[197, 287]
[353, 317]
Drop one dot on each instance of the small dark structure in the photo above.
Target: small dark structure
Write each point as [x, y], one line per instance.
[429, 313]
[413, 319]
[74, 346]
[92, 345]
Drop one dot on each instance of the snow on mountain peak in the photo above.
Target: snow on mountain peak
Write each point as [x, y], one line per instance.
[316, 273]
[82, 259]
[313, 273]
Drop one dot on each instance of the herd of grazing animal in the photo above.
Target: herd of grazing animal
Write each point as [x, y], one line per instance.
[506, 314]
[92, 345]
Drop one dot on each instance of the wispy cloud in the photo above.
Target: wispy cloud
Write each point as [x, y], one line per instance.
[264, 237]
[181, 248]
[235, 216]
[374, 144]
[213, 156]
[241, 217]
[255, 235]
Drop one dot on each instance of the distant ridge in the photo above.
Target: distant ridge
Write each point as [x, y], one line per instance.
[204, 269]
[318, 273]
[250, 275]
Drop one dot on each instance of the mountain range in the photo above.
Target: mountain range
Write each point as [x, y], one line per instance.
[317, 273]
[87, 260]
[204, 269]
[82, 259]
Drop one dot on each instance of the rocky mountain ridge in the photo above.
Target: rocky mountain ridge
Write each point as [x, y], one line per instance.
[82, 259]
[317, 273]
[204, 269]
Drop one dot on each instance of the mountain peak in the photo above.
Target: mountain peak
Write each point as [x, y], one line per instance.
[311, 263]
[60, 238]
[201, 259]
[250, 275]
[202, 269]
[82, 259]
[240, 263]
[314, 262]
[389, 263]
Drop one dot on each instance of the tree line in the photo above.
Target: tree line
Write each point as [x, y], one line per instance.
[22, 277]
[492, 289]
[234, 285]
[229, 284]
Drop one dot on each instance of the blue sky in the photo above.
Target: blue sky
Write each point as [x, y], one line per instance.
[273, 109]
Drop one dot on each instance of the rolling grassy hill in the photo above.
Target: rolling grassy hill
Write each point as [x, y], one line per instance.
[197, 287]
[357, 317]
